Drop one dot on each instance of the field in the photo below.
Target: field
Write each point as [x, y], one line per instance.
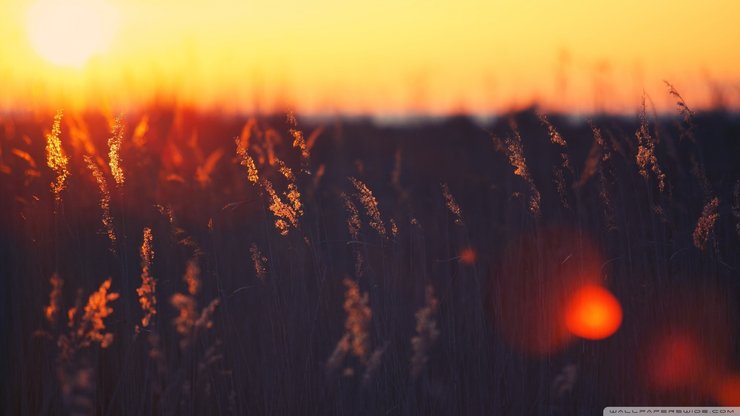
[175, 262]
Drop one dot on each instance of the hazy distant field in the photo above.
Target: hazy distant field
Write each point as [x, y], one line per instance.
[275, 265]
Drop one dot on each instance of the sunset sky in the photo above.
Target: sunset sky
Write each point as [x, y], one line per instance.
[380, 57]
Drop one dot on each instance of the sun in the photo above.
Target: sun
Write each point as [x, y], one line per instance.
[69, 32]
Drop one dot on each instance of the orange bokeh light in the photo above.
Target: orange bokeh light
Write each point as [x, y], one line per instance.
[593, 313]
[728, 392]
[535, 283]
[676, 362]
[468, 256]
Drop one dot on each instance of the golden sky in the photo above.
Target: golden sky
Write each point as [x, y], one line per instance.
[379, 57]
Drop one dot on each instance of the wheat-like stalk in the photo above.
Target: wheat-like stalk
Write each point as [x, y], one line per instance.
[55, 157]
[559, 171]
[356, 305]
[88, 327]
[604, 156]
[246, 160]
[593, 161]
[192, 277]
[189, 323]
[355, 340]
[515, 153]
[426, 333]
[299, 141]
[292, 194]
[147, 292]
[555, 136]
[559, 178]
[687, 115]
[286, 214]
[705, 224]
[452, 205]
[353, 220]
[394, 228]
[187, 314]
[114, 151]
[367, 199]
[205, 318]
[106, 217]
[646, 159]
[55, 298]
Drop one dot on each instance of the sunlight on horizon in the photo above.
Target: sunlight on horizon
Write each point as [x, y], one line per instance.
[381, 58]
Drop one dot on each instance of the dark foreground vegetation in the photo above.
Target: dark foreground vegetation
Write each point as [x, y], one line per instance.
[286, 267]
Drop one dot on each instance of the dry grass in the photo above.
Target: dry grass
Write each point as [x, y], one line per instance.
[292, 194]
[559, 172]
[515, 153]
[646, 159]
[277, 333]
[426, 333]
[192, 277]
[299, 142]
[687, 115]
[368, 201]
[106, 216]
[114, 151]
[87, 326]
[147, 292]
[354, 225]
[705, 224]
[51, 312]
[55, 157]
[593, 160]
[452, 205]
[286, 214]
[356, 305]
[555, 136]
[191, 323]
[246, 160]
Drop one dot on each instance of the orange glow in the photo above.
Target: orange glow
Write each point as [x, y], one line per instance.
[676, 362]
[687, 345]
[535, 284]
[380, 57]
[728, 392]
[468, 256]
[593, 313]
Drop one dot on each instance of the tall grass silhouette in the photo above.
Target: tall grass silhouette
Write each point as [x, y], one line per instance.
[361, 268]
